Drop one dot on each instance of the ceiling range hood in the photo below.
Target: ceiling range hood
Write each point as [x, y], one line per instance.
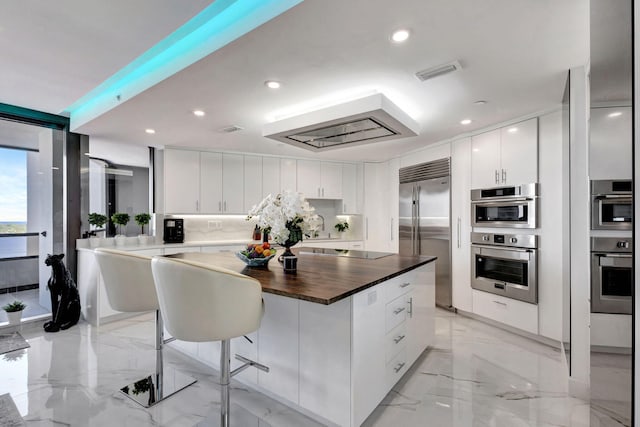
[365, 120]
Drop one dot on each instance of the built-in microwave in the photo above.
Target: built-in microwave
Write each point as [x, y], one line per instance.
[611, 205]
[513, 207]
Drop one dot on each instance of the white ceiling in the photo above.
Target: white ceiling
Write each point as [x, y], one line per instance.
[514, 54]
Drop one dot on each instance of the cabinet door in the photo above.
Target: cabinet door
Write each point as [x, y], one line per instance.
[331, 180]
[288, 174]
[461, 224]
[210, 182]
[349, 183]
[610, 143]
[309, 179]
[270, 176]
[519, 153]
[233, 183]
[252, 181]
[485, 160]
[421, 302]
[181, 181]
[376, 220]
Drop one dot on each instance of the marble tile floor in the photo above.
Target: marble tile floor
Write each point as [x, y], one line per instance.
[475, 375]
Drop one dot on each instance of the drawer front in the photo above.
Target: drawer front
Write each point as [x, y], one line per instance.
[396, 312]
[396, 340]
[396, 368]
[399, 285]
[509, 311]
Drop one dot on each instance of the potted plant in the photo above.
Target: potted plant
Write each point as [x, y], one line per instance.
[341, 227]
[121, 220]
[14, 312]
[142, 219]
[98, 221]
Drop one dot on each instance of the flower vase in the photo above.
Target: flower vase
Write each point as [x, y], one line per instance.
[288, 259]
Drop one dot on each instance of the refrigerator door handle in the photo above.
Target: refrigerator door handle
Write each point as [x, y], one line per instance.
[417, 236]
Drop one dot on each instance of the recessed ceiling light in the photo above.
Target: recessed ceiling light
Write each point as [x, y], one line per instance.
[150, 131]
[272, 84]
[480, 102]
[615, 114]
[512, 130]
[198, 113]
[465, 122]
[400, 36]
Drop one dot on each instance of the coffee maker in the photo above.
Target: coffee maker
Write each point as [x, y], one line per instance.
[173, 230]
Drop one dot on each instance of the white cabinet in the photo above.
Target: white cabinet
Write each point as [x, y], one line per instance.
[270, 176]
[253, 181]
[610, 143]
[352, 188]
[505, 156]
[376, 207]
[203, 182]
[181, 181]
[517, 314]
[288, 175]
[319, 180]
[461, 224]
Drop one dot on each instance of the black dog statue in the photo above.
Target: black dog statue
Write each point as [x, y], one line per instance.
[65, 300]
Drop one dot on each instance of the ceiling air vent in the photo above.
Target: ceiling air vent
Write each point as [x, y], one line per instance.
[232, 128]
[439, 70]
[370, 119]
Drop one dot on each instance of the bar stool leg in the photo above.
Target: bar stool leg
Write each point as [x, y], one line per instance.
[225, 368]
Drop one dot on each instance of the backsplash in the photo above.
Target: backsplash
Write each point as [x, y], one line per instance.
[236, 227]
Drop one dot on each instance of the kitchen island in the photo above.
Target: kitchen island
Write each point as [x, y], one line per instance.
[337, 334]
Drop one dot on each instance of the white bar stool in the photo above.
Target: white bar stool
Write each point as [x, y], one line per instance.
[129, 286]
[201, 302]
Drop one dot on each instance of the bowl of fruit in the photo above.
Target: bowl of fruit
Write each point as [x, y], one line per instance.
[256, 255]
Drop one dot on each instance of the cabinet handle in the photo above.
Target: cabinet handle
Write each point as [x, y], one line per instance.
[344, 208]
[219, 206]
[197, 206]
[410, 307]
[497, 176]
[398, 310]
[366, 228]
[398, 338]
[392, 229]
[405, 284]
[225, 205]
[504, 176]
[501, 303]
[318, 191]
[323, 192]
[459, 222]
[399, 367]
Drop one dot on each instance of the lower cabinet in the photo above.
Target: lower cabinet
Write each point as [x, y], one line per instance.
[517, 314]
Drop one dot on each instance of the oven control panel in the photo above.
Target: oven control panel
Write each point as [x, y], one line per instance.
[528, 241]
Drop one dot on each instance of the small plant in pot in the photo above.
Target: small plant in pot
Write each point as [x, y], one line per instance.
[342, 227]
[121, 220]
[98, 221]
[142, 219]
[14, 311]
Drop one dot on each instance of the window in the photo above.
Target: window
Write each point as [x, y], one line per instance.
[13, 201]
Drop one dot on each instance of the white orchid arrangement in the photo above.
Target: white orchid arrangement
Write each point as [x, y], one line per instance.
[286, 212]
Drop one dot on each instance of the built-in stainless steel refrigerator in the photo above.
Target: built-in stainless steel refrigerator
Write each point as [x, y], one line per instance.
[424, 221]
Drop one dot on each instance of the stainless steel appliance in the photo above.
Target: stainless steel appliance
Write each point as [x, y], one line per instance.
[424, 223]
[513, 207]
[611, 205]
[505, 264]
[611, 275]
[173, 230]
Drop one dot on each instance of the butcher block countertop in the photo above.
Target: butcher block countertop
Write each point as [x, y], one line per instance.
[320, 278]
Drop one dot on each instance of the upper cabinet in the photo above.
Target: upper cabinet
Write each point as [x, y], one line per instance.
[610, 143]
[181, 181]
[351, 182]
[505, 156]
[203, 182]
[319, 180]
[288, 175]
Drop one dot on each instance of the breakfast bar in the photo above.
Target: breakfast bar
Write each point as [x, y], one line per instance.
[337, 334]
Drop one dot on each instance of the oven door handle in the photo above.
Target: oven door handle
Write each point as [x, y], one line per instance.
[614, 260]
[501, 248]
[613, 197]
[492, 202]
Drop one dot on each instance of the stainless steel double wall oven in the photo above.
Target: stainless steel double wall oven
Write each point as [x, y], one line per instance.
[505, 264]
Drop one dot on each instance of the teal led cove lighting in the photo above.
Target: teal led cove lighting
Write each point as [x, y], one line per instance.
[217, 25]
